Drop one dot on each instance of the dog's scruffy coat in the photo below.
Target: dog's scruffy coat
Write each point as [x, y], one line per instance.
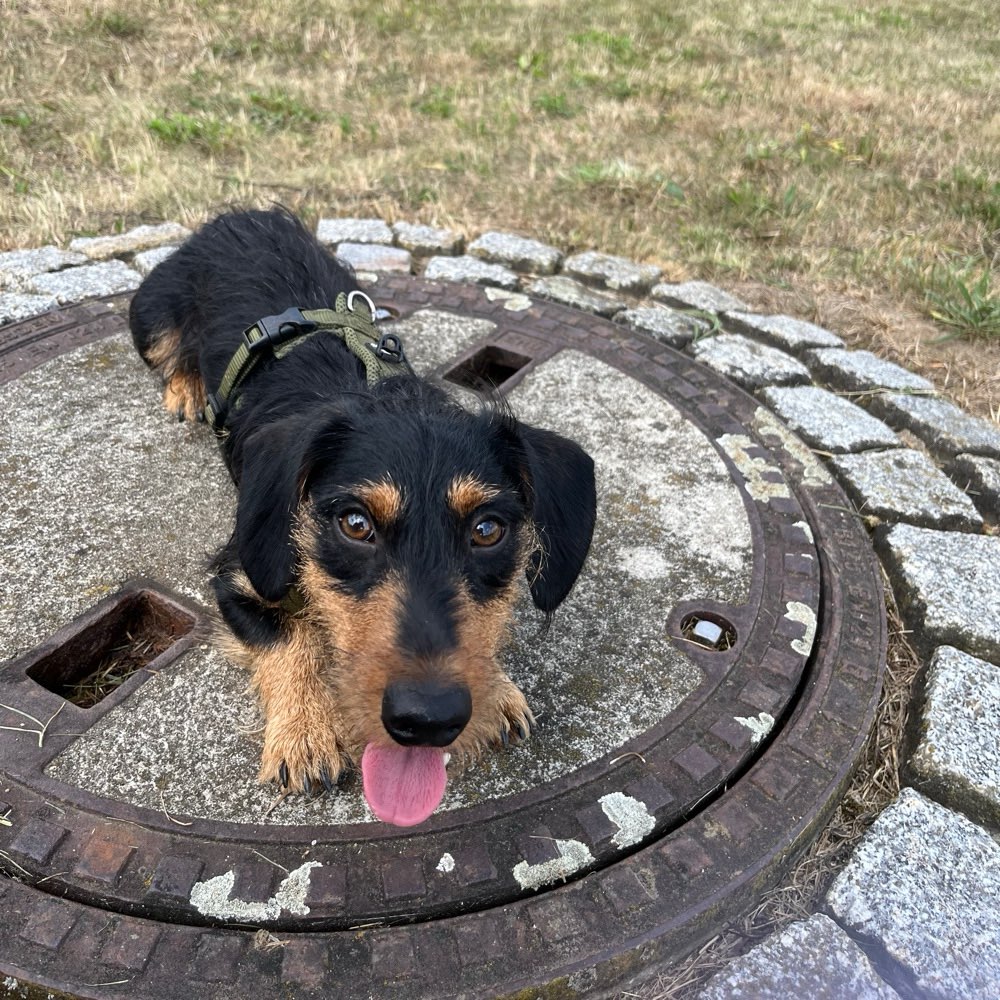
[381, 529]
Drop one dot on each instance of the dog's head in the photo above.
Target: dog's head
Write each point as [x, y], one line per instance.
[408, 530]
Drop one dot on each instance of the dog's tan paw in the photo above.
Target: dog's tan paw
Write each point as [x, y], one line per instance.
[516, 718]
[184, 396]
[302, 754]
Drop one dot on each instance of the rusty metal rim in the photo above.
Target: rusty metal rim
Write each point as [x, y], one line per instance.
[719, 859]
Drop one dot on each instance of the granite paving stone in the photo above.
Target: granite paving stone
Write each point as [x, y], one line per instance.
[145, 262]
[698, 295]
[946, 583]
[15, 306]
[905, 485]
[795, 335]
[862, 371]
[16, 265]
[980, 478]
[375, 257]
[427, 240]
[617, 273]
[140, 238]
[957, 760]
[516, 252]
[472, 269]
[828, 422]
[748, 363]
[670, 326]
[353, 231]
[572, 293]
[87, 282]
[924, 883]
[811, 958]
[941, 425]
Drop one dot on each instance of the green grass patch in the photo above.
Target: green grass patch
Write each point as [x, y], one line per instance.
[177, 128]
[554, 105]
[438, 103]
[962, 298]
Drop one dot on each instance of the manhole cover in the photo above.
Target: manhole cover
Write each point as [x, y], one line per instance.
[703, 694]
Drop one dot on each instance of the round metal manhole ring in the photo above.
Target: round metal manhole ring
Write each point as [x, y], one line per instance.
[101, 889]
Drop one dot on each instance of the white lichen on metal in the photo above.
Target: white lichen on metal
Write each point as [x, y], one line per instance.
[212, 898]
[806, 530]
[766, 423]
[512, 301]
[446, 864]
[759, 725]
[796, 611]
[754, 468]
[573, 855]
[631, 816]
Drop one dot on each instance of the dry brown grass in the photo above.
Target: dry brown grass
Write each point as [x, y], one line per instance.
[844, 153]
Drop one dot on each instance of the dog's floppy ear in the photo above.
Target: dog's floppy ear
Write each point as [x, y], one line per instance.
[564, 507]
[276, 465]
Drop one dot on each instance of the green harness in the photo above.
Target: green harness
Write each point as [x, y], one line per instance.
[381, 354]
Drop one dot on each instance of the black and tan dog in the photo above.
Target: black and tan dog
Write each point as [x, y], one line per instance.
[381, 529]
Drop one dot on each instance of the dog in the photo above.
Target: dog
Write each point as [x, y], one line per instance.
[382, 530]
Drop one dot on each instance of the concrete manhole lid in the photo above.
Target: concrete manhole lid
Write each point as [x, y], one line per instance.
[703, 694]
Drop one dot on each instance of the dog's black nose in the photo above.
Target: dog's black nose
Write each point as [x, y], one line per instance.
[425, 713]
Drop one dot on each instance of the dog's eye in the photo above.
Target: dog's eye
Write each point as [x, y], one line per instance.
[357, 526]
[488, 532]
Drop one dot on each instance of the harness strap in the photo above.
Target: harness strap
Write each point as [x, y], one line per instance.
[382, 355]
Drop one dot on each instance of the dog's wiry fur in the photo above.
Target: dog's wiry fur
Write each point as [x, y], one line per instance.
[405, 522]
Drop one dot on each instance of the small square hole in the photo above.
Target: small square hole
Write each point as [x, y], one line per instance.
[96, 660]
[489, 368]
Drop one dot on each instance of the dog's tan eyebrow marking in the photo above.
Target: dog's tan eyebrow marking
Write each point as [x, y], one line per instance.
[466, 493]
[384, 501]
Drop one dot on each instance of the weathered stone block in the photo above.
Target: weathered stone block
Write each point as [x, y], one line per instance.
[516, 252]
[980, 479]
[470, 269]
[617, 273]
[923, 882]
[15, 306]
[140, 238]
[353, 231]
[862, 371]
[698, 295]
[427, 240]
[828, 422]
[748, 363]
[795, 335]
[939, 424]
[87, 282]
[375, 257]
[905, 485]
[572, 293]
[671, 326]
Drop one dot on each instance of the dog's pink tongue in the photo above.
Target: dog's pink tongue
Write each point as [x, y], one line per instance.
[403, 785]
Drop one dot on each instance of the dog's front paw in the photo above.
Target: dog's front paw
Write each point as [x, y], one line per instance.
[516, 719]
[302, 754]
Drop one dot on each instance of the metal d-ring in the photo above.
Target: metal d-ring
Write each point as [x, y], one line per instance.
[351, 296]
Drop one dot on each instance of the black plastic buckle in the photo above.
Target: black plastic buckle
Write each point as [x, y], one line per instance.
[275, 330]
[390, 348]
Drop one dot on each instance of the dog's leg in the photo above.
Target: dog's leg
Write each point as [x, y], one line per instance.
[303, 745]
[183, 391]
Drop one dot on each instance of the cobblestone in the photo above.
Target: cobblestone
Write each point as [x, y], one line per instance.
[905, 485]
[572, 293]
[617, 273]
[87, 282]
[145, 262]
[941, 425]
[812, 958]
[375, 257]
[957, 760]
[698, 295]
[828, 422]
[980, 479]
[427, 240]
[472, 269]
[670, 326]
[140, 238]
[862, 371]
[334, 231]
[15, 306]
[516, 252]
[17, 265]
[924, 883]
[946, 583]
[795, 335]
[748, 363]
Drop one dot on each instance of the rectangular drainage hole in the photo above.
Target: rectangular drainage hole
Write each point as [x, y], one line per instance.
[96, 661]
[488, 368]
